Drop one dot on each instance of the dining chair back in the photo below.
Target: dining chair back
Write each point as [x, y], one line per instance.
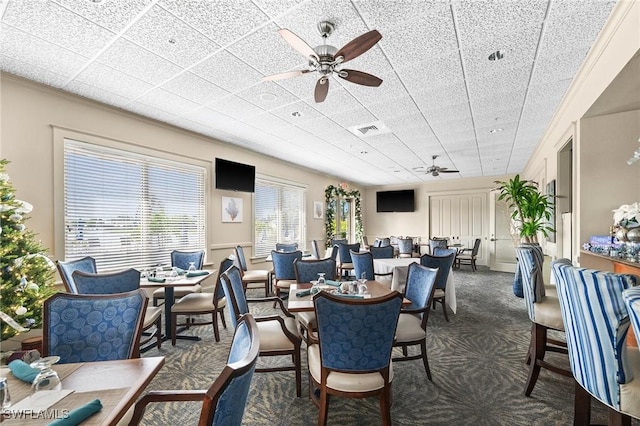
[315, 249]
[412, 324]
[183, 259]
[106, 283]
[111, 326]
[363, 264]
[437, 242]
[254, 278]
[444, 264]
[225, 401]
[544, 313]
[335, 241]
[440, 251]
[279, 334]
[361, 365]
[385, 252]
[596, 325]
[284, 273]
[344, 254]
[631, 298]
[86, 264]
[307, 270]
[405, 247]
[122, 282]
[334, 253]
[286, 247]
[468, 256]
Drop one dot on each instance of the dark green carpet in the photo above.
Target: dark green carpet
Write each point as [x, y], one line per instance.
[477, 362]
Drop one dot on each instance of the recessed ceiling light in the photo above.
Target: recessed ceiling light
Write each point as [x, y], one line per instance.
[496, 56]
[268, 97]
[172, 40]
[95, 1]
[296, 114]
[496, 130]
[364, 152]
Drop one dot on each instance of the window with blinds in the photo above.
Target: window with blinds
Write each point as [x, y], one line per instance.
[279, 216]
[130, 210]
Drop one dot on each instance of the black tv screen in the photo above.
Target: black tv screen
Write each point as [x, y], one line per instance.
[235, 176]
[395, 201]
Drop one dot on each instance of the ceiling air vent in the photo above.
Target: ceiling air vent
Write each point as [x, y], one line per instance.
[370, 129]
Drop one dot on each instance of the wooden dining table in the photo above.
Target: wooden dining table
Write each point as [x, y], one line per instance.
[117, 384]
[169, 285]
[305, 303]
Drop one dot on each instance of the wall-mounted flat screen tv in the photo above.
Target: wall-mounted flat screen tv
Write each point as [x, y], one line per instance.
[395, 201]
[235, 176]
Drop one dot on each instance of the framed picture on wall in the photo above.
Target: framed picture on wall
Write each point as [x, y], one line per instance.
[231, 209]
[318, 208]
[551, 193]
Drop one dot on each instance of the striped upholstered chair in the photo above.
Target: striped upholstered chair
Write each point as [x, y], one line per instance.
[596, 323]
[632, 300]
[544, 312]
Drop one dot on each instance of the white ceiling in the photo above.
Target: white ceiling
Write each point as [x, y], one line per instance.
[198, 65]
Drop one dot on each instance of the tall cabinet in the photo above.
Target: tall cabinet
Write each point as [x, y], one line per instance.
[462, 218]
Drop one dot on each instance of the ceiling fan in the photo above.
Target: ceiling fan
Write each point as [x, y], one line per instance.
[326, 60]
[434, 170]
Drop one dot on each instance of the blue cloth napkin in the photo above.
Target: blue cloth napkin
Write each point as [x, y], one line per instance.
[156, 280]
[333, 283]
[303, 293]
[80, 414]
[180, 271]
[23, 371]
[197, 273]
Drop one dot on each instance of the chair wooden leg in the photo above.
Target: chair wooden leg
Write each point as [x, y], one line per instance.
[214, 320]
[324, 408]
[224, 322]
[616, 418]
[581, 406]
[538, 344]
[444, 308]
[425, 360]
[174, 319]
[473, 265]
[385, 406]
[159, 332]
[298, 363]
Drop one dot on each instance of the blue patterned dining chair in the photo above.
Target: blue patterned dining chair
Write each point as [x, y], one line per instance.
[225, 401]
[437, 242]
[385, 252]
[279, 334]
[345, 264]
[204, 303]
[363, 264]
[360, 366]
[596, 325]
[544, 312]
[443, 260]
[307, 270]
[405, 247]
[335, 241]
[252, 278]
[86, 264]
[122, 282]
[93, 327]
[182, 260]
[283, 272]
[286, 247]
[412, 324]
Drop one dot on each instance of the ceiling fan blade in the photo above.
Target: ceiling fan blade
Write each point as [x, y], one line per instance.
[359, 77]
[444, 170]
[297, 43]
[358, 45]
[322, 88]
[283, 75]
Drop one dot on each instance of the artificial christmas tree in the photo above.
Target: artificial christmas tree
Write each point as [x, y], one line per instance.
[27, 274]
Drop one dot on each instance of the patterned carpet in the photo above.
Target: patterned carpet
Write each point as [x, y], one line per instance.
[477, 362]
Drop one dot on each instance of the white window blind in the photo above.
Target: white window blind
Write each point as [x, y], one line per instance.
[130, 210]
[279, 216]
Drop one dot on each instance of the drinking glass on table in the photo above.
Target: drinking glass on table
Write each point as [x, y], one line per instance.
[47, 378]
[5, 398]
[362, 286]
[192, 267]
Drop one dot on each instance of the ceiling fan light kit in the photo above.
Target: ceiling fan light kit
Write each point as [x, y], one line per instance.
[326, 60]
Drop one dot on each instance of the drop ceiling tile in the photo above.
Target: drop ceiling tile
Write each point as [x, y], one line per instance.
[267, 122]
[194, 88]
[354, 117]
[32, 72]
[555, 66]
[441, 96]
[267, 95]
[321, 126]
[36, 52]
[113, 81]
[132, 59]
[236, 107]
[448, 115]
[297, 113]
[423, 74]
[167, 101]
[210, 118]
[54, 23]
[276, 8]
[221, 20]
[268, 52]
[227, 71]
[338, 100]
[112, 14]
[401, 106]
[151, 112]
[390, 89]
[167, 36]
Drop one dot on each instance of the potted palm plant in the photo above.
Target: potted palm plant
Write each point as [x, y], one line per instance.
[531, 212]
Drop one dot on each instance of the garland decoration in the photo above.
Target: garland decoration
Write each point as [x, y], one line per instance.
[331, 195]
